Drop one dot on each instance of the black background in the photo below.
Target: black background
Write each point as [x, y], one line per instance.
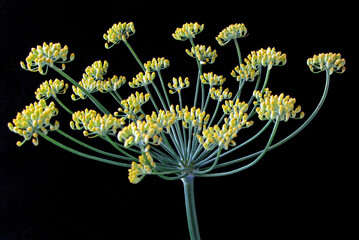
[304, 188]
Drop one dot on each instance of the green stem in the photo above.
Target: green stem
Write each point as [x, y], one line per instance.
[253, 162]
[211, 157]
[134, 55]
[160, 96]
[92, 148]
[197, 85]
[62, 105]
[118, 148]
[191, 207]
[163, 87]
[74, 82]
[238, 51]
[80, 153]
[266, 79]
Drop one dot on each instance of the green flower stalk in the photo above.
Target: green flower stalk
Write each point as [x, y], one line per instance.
[180, 139]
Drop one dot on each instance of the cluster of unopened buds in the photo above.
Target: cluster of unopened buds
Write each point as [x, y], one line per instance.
[179, 140]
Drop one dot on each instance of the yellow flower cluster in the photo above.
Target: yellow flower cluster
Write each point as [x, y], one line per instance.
[141, 133]
[220, 94]
[95, 124]
[231, 32]
[266, 58]
[193, 117]
[119, 32]
[51, 88]
[93, 81]
[157, 64]
[271, 107]
[90, 79]
[96, 71]
[216, 136]
[237, 113]
[223, 137]
[41, 57]
[111, 84]
[188, 30]
[232, 107]
[244, 73]
[138, 170]
[164, 119]
[178, 85]
[132, 105]
[332, 62]
[212, 79]
[142, 79]
[202, 54]
[33, 118]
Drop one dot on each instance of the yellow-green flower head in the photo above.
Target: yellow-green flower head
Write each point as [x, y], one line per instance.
[95, 124]
[132, 105]
[216, 136]
[231, 32]
[47, 55]
[237, 114]
[111, 84]
[212, 79]
[119, 32]
[234, 107]
[178, 84]
[244, 73]
[188, 30]
[141, 134]
[35, 117]
[138, 170]
[194, 117]
[90, 84]
[91, 79]
[266, 58]
[142, 79]
[157, 64]
[220, 94]
[96, 71]
[51, 88]
[202, 54]
[164, 119]
[271, 107]
[332, 62]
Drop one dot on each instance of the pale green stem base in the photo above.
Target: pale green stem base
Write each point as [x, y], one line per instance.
[191, 207]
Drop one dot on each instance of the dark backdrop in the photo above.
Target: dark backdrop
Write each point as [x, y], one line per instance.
[304, 188]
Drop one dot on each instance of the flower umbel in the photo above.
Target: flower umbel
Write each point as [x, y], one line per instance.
[202, 54]
[178, 84]
[132, 105]
[42, 57]
[119, 32]
[212, 79]
[141, 134]
[266, 58]
[332, 62]
[51, 88]
[138, 170]
[244, 73]
[157, 64]
[188, 30]
[271, 107]
[233, 31]
[35, 117]
[142, 79]
[183, 137]
[95, 124]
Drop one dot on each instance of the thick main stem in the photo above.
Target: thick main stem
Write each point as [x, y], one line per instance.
[191, 207]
